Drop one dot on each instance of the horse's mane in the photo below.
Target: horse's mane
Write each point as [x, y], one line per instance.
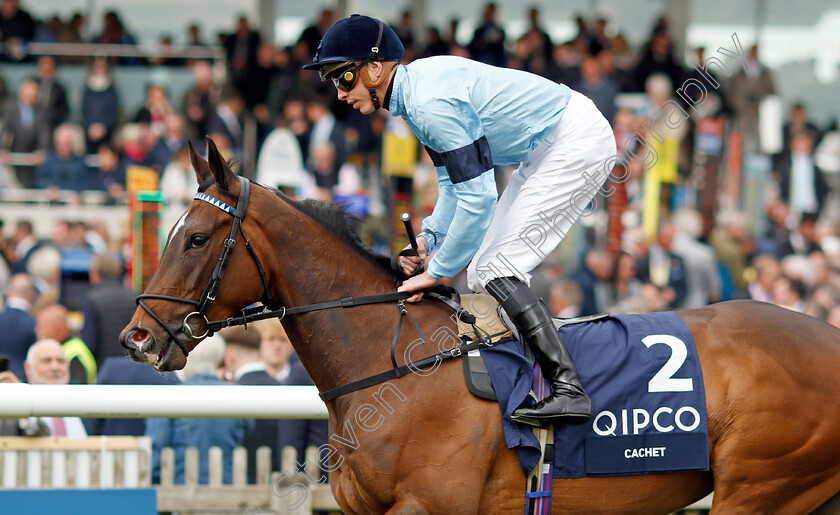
[333, 217]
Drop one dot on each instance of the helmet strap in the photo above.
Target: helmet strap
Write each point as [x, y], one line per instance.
[374, 98]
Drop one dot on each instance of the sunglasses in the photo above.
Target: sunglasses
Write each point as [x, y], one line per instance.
[345, 79]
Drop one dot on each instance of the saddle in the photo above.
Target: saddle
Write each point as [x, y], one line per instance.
[494, 325]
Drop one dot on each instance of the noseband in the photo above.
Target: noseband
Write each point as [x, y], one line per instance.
[209, 294]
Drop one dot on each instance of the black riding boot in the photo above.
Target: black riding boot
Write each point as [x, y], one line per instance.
[568, 401]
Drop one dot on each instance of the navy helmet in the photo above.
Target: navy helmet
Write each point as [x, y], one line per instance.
[357, 39]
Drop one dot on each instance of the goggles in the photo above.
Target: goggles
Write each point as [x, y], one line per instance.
[344, 78]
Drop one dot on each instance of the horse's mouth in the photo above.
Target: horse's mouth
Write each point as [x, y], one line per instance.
[161, 357]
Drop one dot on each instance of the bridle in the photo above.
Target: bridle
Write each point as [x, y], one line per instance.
[255, 313]
[209, 294]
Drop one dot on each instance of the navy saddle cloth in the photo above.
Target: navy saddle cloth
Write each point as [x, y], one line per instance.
[643, 375]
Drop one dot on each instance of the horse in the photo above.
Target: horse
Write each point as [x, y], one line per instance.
[422, 444]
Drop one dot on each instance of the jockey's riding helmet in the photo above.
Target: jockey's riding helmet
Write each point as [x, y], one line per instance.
[356, 39]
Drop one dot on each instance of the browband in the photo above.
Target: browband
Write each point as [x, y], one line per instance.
[227, 208]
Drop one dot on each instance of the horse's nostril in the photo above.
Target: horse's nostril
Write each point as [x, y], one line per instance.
[139, 337]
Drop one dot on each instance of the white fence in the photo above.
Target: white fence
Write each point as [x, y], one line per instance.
[164, 401]
[125, 462]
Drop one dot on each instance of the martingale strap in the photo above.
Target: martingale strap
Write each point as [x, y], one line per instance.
[253, 314]
[249, 315]
[412, 366]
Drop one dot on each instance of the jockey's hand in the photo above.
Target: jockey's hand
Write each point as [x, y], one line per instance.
[418, 282]
[409, 264]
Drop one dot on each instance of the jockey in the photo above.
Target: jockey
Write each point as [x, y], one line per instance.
[472, 116]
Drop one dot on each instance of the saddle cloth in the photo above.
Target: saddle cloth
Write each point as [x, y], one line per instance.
[643, 375]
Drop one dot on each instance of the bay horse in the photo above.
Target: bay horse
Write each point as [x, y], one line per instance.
[772, 376]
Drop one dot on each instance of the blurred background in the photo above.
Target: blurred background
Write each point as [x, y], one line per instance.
[99, 99]
[737, 101]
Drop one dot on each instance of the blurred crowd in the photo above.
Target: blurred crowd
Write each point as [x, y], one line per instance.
[40, 345]
[728, 217]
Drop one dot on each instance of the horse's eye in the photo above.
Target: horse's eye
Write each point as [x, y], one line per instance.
[198, 240]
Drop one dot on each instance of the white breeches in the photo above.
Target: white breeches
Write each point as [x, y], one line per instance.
[546, 194]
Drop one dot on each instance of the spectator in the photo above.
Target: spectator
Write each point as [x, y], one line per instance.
[51, 323]
[72, 30]
[202, 433]
[746, 91]
[115, 33]
[166, 54]
[788, 293]
[626, 286]
[178, 182]
[49, 32]
[565, 299]
[17, 28]
[326, 146]
[624, 79]
[282, 363]
[733, 247]
[544, 45]
[435, 44]
[25, 130]
[767, 270]
[241, 48]
[259, 82]
[122, 370]
[294, 114]
[111, 174]
[174, 138]
[100, 106]
[452, 36]
[194, 35]
[488, 43]
[799, 123]
[593, 278]
[44, 267]
[242, 358]
[405, 31]
[802, 239]
[598, 86]
[657, 58]
[664, 268]
[52, 96]
[47, 364]
[802, 183]
[18, 326]
[311, 36]
[133, 139]
[703, 279]
[25, 243]
[275, 349]
[155, 110]
[64, 168]
[107, 308]
[200, 102]
[280, 162]
[225, 119]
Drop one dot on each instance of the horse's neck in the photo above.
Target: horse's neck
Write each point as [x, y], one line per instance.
[334, 344]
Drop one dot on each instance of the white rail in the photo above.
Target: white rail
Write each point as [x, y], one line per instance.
[165, 401]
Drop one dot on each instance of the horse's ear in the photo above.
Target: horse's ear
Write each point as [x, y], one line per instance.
[199, 164]
[218, 166]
